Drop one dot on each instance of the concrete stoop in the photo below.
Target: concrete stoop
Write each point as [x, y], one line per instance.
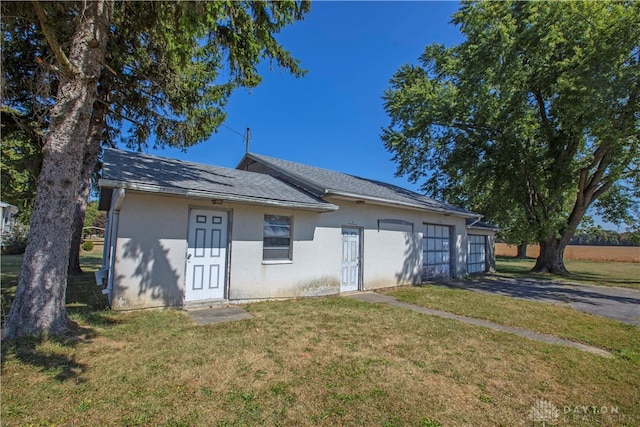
[207, 314]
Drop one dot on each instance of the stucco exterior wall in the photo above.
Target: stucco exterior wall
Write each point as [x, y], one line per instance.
[149, 269]
[392, 258]
[150, 252]
[312, 271]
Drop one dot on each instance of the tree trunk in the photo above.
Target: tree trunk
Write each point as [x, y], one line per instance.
[551, 258]
[39, 304]
[522, 250]
[76, 233]
[91, 154]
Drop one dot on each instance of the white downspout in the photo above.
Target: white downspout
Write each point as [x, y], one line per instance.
[110, 250]
[477, 220]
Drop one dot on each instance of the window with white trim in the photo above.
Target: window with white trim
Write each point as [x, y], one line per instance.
[436, 252]
[276, 243]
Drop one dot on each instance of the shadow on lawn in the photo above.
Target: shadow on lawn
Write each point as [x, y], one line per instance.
[541, 290]
[595, 277]
[521, 267]
[85, 302]
[62, 364]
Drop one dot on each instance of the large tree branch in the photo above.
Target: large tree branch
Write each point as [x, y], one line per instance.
[571, 150]
[530, 203]
[601, 190]
[607, 181]
[600, 160]
[583, 185]
[543, 115]
[590, 189]
[121, 115]
[581, 205]
[52, 40]
[467, 127]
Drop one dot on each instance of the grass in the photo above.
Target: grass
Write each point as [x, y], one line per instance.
[600, 273]
[546, 318]
[82, 293]
[321, 361]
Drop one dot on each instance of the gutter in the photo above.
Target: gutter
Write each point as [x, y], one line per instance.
[120, 193]
[201, 194]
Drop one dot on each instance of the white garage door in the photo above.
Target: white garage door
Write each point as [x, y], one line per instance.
[436, 252]
[476, 256]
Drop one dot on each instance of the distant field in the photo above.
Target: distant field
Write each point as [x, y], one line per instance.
[595, 253]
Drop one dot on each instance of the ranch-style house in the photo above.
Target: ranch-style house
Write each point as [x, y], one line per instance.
[188, 234]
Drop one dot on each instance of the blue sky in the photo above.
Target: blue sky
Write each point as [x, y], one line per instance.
[332, 117]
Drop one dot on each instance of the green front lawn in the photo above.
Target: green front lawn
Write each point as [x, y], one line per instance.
[546, 318]
[321, 361]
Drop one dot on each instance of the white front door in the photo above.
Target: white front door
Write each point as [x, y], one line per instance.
[350, 273]
[206, 255]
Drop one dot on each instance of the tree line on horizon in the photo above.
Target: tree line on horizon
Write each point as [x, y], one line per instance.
[601, 237]
[597, 236]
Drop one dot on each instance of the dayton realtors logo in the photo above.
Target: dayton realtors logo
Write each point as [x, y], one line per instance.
[548, 414]
[544, 412]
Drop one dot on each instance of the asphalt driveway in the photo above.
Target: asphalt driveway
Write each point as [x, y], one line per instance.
[616, 303]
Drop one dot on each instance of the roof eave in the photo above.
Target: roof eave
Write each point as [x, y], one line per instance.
[201, 194]
[477, 227]
[388, 202]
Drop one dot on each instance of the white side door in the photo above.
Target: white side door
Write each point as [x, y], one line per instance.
[206, 255]
[350, 271]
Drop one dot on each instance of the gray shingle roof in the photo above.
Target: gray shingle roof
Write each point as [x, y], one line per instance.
[144, 172]
[324, 182]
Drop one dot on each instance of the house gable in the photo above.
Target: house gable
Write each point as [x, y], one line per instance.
[323, 183]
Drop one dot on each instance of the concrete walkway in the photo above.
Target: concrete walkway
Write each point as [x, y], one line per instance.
[205, 316]
[373, 297]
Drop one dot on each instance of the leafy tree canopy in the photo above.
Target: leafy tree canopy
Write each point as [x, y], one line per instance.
[20, 160]
[531, 120]
[81, 69]
[168, 74]
[170, 66]
[91, 214]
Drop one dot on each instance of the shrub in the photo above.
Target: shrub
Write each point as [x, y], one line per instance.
[87, 246]
[14, 241]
